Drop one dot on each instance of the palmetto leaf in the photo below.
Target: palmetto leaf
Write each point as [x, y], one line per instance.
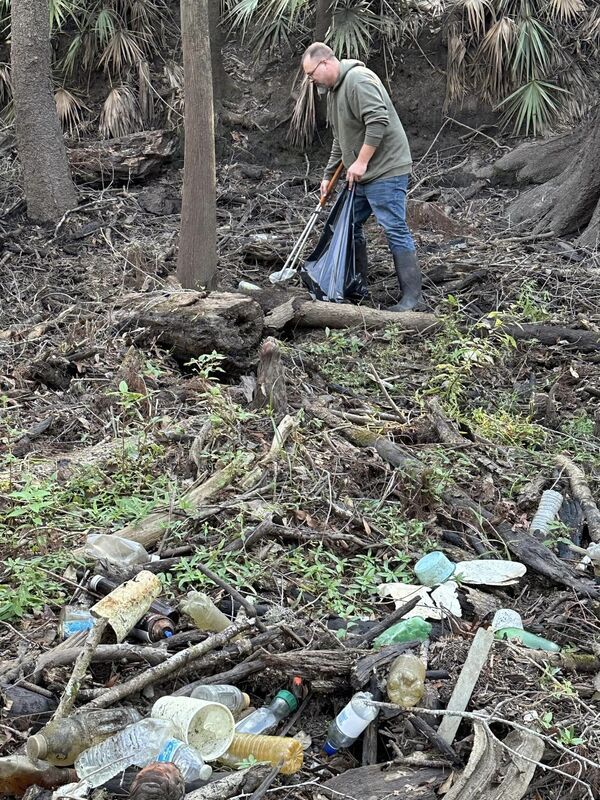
[493, 55]
[5, 84]
[475, 13]
[455, 73]
[120, 113]
[566, 10]
[353, 27]
[61, 11]
[532, 107]
[302, 124]
[70, 110]
[121, 50]
[533, 50]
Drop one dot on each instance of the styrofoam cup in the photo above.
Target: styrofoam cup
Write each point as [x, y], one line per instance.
[208, 727]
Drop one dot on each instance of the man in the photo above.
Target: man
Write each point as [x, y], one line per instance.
[369, 139]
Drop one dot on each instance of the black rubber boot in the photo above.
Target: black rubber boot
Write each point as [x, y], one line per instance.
[362, 265]
[409, 278]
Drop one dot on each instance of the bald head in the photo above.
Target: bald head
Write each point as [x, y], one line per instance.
[320, 65]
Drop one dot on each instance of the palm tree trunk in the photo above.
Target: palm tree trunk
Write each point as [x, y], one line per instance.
[49, 188]
[197, 261]
[323, 15]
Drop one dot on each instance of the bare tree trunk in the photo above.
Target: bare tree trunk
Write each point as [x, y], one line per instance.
[219, 76]
[323, 15]
[197, 262]
[49, 188]
[569, 202]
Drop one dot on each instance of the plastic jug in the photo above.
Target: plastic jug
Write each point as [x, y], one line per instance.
[406, 680]
[204, 613]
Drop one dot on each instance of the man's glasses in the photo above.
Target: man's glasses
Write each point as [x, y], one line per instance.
[310, 74]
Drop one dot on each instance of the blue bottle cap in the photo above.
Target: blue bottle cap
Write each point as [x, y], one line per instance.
[329, 749]
[434, 568]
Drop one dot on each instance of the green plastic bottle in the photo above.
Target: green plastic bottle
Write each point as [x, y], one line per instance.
[527, 639]
[407, 630]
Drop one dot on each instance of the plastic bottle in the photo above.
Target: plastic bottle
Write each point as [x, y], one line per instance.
[61, 741]
[73, 619]
[18, 773]
[507, 624]
[153, 628]
[272, 749]
[350, 723]
[140, 744]
[116, 550]
[204, 613]
[406, 680]
[155, 781]
[407, 630]
[266, 719]
[548, 508]
[104, 586]
[229, 696]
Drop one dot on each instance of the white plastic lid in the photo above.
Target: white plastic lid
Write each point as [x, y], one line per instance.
[506, 618]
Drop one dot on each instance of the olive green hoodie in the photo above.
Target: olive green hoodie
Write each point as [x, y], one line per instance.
[361, 112]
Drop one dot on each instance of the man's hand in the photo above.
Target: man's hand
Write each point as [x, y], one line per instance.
[324, 187]
[356, 171]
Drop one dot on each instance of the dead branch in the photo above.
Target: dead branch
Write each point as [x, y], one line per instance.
[581, 491]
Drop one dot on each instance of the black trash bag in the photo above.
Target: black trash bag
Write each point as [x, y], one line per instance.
[330, 273]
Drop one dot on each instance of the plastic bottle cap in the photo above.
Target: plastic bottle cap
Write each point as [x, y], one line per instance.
[434, 568]
[329, 749]
[289, 698]
[168, 634]
[246, 699]
[37, 747]
[506, 618]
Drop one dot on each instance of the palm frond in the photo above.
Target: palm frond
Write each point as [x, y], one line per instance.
[5, 84]
[353, 27]
[145, 92]
[62, 10]
[456, 67]
[533, 107]
[533, 50]
[121, 50]
[475, 13]
[302, 125]
[70, 110]
[106, 25]
[566, 10]
[120, 114]
[494, 56]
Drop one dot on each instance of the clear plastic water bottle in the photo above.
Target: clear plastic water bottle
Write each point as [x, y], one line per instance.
[116, 550]
[267, 718]
[204, 613]
[547, 511]
[140, 744]
[229, 696]
[350, 723]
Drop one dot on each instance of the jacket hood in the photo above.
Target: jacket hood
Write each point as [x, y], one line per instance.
[346, 64]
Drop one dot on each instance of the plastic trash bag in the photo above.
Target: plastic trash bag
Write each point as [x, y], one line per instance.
[330, 273]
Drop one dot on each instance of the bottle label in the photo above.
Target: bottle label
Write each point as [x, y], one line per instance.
[169, 749]
[350, 724]
[77, 625]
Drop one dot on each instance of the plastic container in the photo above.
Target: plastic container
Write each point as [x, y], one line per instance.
[153, 628]
[207, 726]
[18, 773]
[407, 630]
[116, 550]
[104, 586]
[73, 619]
[140, 744]
[272, 749]
[547, 511]
[229, 696]
[204, 613]
[61, 741]
[527, 639]
[350, 723]
[406, 680]
[267, 718]
[434, 568]
[506, 618]
[158, 782]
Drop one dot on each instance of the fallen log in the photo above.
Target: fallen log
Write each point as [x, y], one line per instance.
[585, 341]
[192, 324]
[386, 780]
[124, 159]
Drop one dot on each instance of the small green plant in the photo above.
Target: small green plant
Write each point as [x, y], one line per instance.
[207, 365]
[531, 304]
[569, 738]
[504, 427]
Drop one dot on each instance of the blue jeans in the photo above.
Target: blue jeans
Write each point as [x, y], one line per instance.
[386, 199]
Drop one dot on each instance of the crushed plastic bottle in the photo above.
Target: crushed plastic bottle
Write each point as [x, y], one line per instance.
[18, 773]
[204, 613]
[73, 619]
[140, 744]
[272, 749]
[352, 720]
[547, 511]
[407, 630]
[116, 550]
[229, 696]
[267, 718]
[507, 624]
[155, 781]
[62, 740]
[406, 680]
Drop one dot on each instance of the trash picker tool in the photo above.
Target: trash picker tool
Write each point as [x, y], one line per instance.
[289, 268]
